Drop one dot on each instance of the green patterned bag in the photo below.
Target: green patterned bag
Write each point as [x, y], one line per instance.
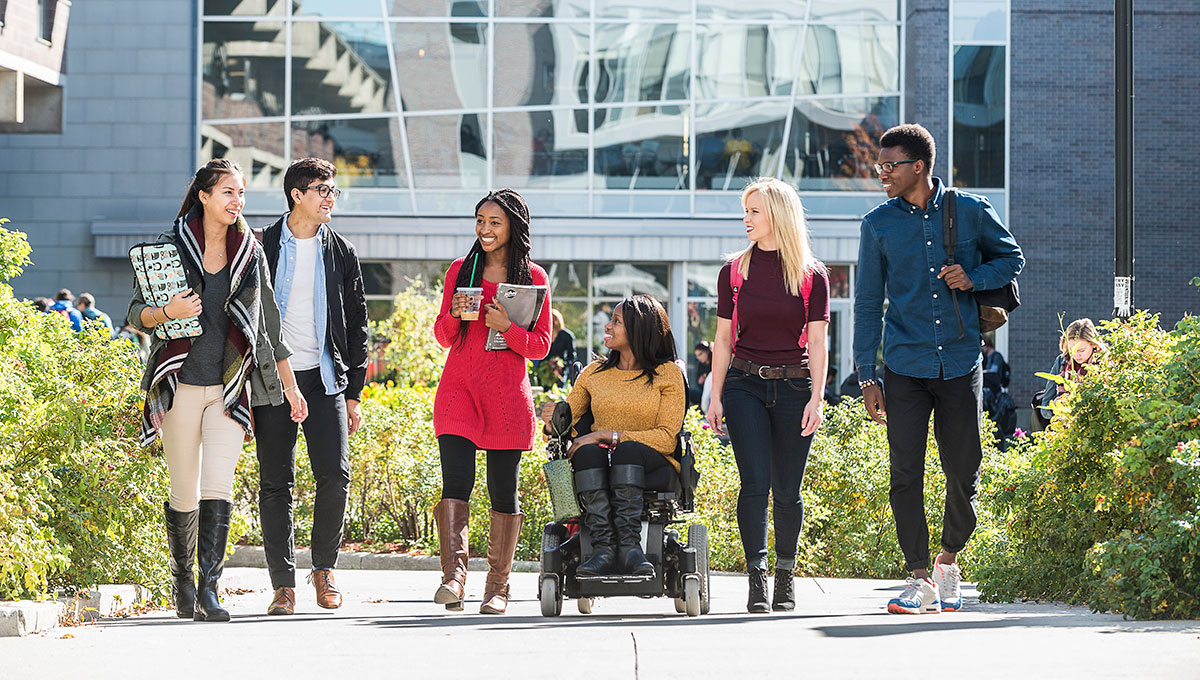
[560, 479]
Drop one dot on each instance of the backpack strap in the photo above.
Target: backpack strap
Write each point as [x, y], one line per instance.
[735, 282]
[949, 242]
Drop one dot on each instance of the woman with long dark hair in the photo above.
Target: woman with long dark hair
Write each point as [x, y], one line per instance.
[198, 389]
[483, 399]
[636, 397]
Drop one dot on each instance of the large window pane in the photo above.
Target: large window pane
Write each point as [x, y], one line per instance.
[243, 69]
[738, 140]
[257, 147]
[979, 99]
[834, 142]
[979, 20]
[337, 8]
[642, 62]
[702, 278]
[640, 9]
[623, 280]
[448, 151]
[441, 66]
[437, 8]
[642, 148]
[541, 64]
[567, 279]
[569, 9]
[243, 8]
[701, 327]
[540, 149]
[839, 281]
[367, 152]
[856, 10]
[766, 10]
[745, 60]
[340, 68]
[850, 59]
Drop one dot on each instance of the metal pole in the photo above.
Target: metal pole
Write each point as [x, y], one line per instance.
[1123, 279]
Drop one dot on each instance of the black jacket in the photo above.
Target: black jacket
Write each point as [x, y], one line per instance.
[346, 330]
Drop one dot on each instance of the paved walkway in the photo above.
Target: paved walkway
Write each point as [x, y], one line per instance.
[388, 628]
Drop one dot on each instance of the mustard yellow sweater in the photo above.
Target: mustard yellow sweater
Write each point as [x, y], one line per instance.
[651, 414]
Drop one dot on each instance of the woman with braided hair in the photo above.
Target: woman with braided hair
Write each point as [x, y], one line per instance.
[483, 398]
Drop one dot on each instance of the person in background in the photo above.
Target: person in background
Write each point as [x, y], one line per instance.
[139, 341]
[63, 305]
[703, 353]
[563, 346]
[42, 304]
[1079, 347]
[86, 304]
[831, 396]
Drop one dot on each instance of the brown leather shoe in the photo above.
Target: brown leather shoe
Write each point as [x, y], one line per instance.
[503, 533]
[328, 596]
[284, 603]
[452, 515]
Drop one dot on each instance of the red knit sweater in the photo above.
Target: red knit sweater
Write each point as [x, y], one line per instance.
[484, 396]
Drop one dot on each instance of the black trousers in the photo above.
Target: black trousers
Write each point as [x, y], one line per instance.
[659, 472]
[957, 407]
[458, 472]
[327, 437]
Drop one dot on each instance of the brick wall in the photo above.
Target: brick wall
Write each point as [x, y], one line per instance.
[126, 151]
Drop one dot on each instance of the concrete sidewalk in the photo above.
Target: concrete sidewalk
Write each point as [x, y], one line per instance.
[390, 628]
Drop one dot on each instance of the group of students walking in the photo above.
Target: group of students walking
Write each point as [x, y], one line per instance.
[284, 345]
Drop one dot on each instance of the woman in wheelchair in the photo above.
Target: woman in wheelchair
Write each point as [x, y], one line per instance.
[635, 396]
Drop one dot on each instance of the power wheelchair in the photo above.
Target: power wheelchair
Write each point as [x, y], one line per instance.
[680, 569]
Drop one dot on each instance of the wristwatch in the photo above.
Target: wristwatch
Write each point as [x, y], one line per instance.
[864, 384]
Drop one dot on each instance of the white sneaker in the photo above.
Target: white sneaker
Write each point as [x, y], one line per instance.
[920, 597]
[948, 578]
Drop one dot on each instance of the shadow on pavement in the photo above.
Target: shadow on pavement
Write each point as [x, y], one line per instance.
[951, 621]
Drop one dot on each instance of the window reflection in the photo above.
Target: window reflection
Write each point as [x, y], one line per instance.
[366, 152]
[839, 281]
[702, 278]
[567, 279]
[540, 149]
[257, 147]
[701, 327]
[340, 68]
[575, 320]
[243, 70]
[243, 7]
[850, 59]
[541, 64]
[856, 10]
[738, 140]
[834, 142]
[448, 151]
[441, 66]
[543, 8]
[642, 62]
[745, 60]
[766, 10]
[642, 147]
[979, 99]
[637, 9]
[337, 8]
[437, 8]
[980, 20]
[622, 280]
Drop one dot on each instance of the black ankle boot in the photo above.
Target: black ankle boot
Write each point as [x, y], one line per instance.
[784, 597]
[181, 539]
[591, 486]
[211, 540]
[757, 602]
[628, 485]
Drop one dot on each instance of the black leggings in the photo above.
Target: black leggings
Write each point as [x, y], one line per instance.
[458, 472]
[590, 456]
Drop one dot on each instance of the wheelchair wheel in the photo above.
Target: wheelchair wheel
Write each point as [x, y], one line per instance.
[691, 596]
[550, 597]
[550, 541]
[585, 605]
[698, 539]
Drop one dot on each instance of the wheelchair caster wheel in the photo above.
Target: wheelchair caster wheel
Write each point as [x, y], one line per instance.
[550, 597]
[585, 605]
[680, 605]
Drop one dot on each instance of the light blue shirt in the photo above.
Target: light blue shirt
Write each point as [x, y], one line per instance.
[284, 270]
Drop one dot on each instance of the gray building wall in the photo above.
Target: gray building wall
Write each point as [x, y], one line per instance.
[1061, 179]
[126, 150]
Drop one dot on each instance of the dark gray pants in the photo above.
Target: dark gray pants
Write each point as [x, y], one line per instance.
[326, 434]
[957, 406]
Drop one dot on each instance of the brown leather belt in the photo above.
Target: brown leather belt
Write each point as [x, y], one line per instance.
[770, 372]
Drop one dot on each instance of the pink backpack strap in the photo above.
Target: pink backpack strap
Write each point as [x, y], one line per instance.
[735, 282]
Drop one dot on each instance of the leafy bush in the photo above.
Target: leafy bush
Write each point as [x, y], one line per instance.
[80, 500]
[404, 341]
[1103, 510]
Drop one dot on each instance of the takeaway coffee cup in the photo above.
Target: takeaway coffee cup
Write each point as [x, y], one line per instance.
[471, 313]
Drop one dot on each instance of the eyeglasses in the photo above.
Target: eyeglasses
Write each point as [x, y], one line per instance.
[323, 190]
[880, 168]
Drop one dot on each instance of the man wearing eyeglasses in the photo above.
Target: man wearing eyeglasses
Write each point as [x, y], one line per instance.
[932, 360]
[319, 288]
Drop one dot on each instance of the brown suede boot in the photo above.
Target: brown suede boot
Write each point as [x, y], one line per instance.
[451, 515]
[503, 534]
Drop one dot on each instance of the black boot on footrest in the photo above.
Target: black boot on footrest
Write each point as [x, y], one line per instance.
[591, 486]
[628, 485]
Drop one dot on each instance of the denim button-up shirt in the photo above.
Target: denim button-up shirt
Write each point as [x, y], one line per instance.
[901, 251]
[283, 288]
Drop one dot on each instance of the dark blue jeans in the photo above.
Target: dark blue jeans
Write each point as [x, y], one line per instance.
[763, 418]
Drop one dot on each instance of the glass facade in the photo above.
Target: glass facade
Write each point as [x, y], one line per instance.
[979, 87]
[604, 107]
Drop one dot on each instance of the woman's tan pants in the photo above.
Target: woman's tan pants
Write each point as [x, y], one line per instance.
[202, 446]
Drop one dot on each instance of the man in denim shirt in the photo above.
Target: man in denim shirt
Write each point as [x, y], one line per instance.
[932, 363]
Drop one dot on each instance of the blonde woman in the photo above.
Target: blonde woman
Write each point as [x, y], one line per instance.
[1079, 347]
[772, 316]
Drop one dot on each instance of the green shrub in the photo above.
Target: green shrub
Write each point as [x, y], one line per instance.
[405, 342]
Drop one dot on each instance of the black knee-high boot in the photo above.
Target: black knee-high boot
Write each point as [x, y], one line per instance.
[181, 539]
[592, 488]
[213, 535]
[628, 483]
